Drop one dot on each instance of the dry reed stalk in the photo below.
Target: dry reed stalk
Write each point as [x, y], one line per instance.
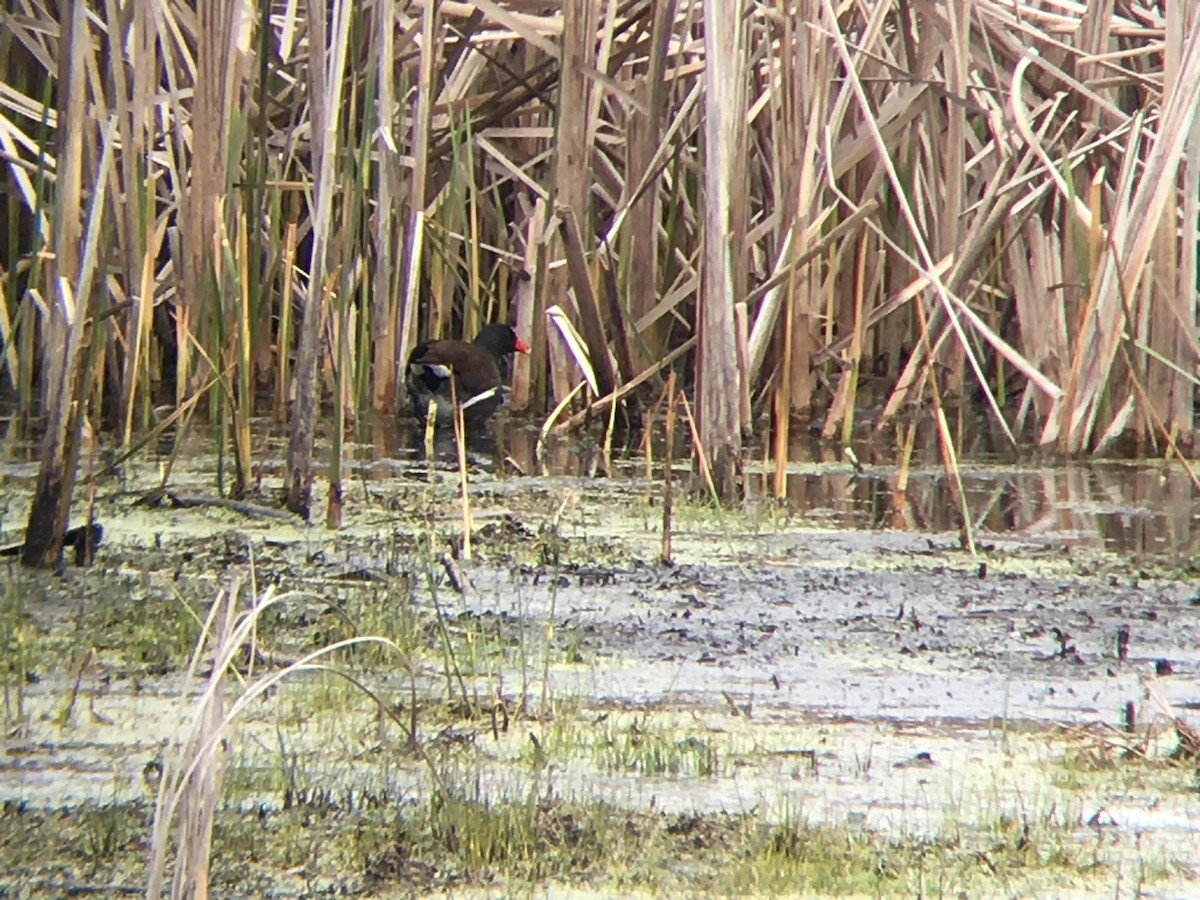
[772, 291]
[783, 402]
[474, 317]
[800, 110]
[954, 478]
[69, 357]
[284, 334]
[698, 446]
[137, 359]
[10, 356]
[219, 73]
[1136, 220]
[406, 337]
[327, 64]
[904, 460]
[243, 335]
[925, 258]
[608, 438]
[562, 404]
[726, 75]
[1172, 312]
[742, 321]
[571, 166]
[334, 498]
[460, 445]
[585, 301]
[385, 320]
[573, 150]
[1189, 236]
[664, 555]
[189, 789]
[842, 411]
[647, 444]
[620, 327]
[529, 384]
[604, 402]
[141, 227]
[1159, 427]
[639, 242]
[177, 414]
[429, 431]
[946, 442]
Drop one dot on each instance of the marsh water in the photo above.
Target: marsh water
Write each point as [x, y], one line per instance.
[836, 652]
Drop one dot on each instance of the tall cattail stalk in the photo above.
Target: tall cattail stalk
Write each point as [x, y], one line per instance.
[327, 63]
[68, 355]
[668, 497]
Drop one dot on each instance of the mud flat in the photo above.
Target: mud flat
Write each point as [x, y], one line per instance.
[786, 710]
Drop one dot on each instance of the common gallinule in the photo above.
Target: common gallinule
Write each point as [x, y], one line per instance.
[475, 368]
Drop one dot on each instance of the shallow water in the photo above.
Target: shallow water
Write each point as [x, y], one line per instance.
[1128, 507]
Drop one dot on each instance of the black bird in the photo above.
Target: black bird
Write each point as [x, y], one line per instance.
[474, 367]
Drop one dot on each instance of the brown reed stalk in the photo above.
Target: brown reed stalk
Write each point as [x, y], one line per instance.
[742, 320]
[664, 555]
[137, 362]
[946, 444]
[698, 447]
[607, 120]
[406, 339]
[243, 399]
[606, 401]
[327, 64]
[725, 215]
[283, 335]
[384, 309]
[71, 329]
[460, 445]
[783, 394]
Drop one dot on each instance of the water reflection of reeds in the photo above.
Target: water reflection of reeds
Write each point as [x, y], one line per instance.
[1122, 508]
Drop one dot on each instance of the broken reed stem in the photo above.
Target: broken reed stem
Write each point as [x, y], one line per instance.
[180, 412]
[579, 418]
[64, 715]
[945, 441]
[742, 321]
[648, 444]
[648, 433]
[548, 425]
[1151, 413]
[460, 443]
[668, 457]
[783, 393]
[85, 553]
[856, 342]
[608, 438]
[905, 461]
[700, 455]
[243, 397]
[284, 338]
[430, 429]
[950, 463]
